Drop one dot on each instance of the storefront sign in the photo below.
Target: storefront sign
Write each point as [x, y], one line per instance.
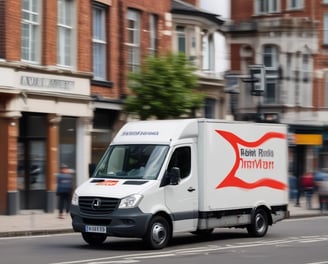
[46, 83]
[308, 139]
[31, 81]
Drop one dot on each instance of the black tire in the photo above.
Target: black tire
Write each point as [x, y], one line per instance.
[94, 239]
[158, 233]
[203, 232]
[259, 225]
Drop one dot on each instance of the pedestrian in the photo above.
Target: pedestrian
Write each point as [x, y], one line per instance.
[307, 184]
[64, 189]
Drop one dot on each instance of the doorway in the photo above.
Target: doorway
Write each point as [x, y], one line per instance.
[31, 161]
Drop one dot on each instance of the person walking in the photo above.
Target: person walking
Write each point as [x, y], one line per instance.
[64, 189]
[307, 184]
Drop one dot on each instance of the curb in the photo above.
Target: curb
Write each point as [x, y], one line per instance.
[35, 232]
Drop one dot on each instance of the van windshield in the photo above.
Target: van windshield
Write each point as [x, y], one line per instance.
[132, 162]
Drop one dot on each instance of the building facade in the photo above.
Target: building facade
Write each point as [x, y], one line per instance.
[63, 67]
[289, 40]
[63, 81]
[194, 32]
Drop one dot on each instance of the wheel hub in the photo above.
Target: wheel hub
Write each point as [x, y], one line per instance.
[159, 233]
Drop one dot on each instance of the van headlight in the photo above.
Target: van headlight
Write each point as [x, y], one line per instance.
[130, 201]
[75, 199]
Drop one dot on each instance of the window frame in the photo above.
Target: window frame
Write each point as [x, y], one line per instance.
[181, 35]
[295, 4]
[134, 39]
[32, 51]
[99, 42]
[262, 7]
[153, 34]
[66, 53]
[325, 29]
[273, 54]
[185, 152]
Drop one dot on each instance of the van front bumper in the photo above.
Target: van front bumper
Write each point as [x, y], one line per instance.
[121, 222]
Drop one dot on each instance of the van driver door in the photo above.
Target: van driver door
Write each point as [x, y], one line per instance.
[182, 198]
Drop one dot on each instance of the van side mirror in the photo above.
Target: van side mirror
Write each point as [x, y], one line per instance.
[174, 176]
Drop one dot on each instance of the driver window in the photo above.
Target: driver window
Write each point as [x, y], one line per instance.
[181, 158]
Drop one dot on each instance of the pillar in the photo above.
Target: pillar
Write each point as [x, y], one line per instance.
[8, 165]
[52, 164]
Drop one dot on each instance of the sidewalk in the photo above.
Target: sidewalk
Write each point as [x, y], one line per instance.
[36, 222]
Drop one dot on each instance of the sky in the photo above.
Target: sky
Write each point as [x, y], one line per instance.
[220, 7]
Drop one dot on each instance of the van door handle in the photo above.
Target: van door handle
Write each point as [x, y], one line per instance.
[191, 189]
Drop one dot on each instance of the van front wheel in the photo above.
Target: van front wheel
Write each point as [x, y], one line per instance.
[158, 233]
[94, 239]
[259, 225]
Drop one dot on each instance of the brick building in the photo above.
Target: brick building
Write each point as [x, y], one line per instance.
[63, 80]
[289, 38]
[63, 71]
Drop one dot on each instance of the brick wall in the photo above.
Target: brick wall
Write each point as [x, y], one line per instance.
[117, 54]
[13, 29]
[2, 28]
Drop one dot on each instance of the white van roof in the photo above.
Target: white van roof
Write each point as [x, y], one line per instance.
[156, 131]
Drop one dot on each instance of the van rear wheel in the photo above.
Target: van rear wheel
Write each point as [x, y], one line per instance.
[259, 225]
[94, 239]
[158, 233]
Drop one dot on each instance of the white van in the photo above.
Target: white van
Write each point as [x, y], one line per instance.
[158, 178]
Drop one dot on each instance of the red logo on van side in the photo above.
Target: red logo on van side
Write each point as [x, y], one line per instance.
[231, 180]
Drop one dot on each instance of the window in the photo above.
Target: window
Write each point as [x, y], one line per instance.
[133, 42]
[295, 4]
[271, 91]
[65, 37]
[325, 29]
[270, 61]
[153, 34]
[181, 39]
[266, 6]
[270, 57]
[306, 67]
[326, 89]
[210, 108]
[288, 71]
[99, 43]
[30, 36]
[181, 158]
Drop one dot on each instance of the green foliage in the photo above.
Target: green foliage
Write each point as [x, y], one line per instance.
[164, 88]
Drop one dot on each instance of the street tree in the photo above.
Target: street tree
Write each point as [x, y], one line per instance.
[164, 88]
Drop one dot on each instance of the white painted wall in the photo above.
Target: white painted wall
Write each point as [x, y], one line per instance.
[222, 8]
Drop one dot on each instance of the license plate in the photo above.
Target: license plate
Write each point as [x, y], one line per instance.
[95, 229]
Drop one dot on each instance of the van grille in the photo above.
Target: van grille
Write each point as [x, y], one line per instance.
[98, 205]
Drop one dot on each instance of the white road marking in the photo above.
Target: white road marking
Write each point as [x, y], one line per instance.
[135, 258]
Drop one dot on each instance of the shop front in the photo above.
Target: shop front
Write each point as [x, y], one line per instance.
[305, 145]
[45, 121]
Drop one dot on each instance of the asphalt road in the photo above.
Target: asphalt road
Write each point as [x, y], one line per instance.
[299, 241]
